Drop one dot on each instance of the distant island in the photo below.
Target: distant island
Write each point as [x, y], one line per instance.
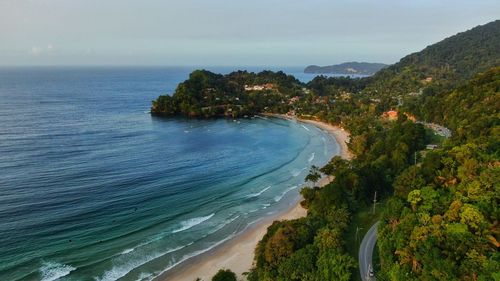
[362, 68]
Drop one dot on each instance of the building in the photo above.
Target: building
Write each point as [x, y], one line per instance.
[294, 100]
[427, 80]
[267, 86]
[254, 88]
[390, 115]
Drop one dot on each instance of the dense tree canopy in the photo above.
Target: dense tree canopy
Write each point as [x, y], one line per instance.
[443, 220]
[206, 94]
[224, 275]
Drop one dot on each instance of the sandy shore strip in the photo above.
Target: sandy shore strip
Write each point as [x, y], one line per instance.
[237, 254]
[340, 135]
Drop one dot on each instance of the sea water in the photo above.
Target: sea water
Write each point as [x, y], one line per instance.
[92, 187]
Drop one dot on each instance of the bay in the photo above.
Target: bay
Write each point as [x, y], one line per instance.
[94, 188]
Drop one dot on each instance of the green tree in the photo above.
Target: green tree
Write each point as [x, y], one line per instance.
[224, 275]
[334, 266]
[314, 175]
[300, 266]
[414, 198]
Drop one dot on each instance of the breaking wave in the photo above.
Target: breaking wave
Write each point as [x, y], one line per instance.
[279, 197]
[311, 158]
[296, 173]
[52, 270]
[187, 224]
[119, 271]
[194, 254]
[258, 193]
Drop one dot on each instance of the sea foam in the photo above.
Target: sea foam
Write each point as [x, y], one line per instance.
[145, 277]
[296, 173]
[199, 252]
[130, 263]
[258, 193]
[221, 226]
[187, 224]
[52, 270]
[279, 197]
[311, 158]
[127, 251]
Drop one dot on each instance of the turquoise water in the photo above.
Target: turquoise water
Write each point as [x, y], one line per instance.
[94, 188]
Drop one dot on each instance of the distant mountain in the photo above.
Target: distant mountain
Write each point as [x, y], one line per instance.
[363, 68]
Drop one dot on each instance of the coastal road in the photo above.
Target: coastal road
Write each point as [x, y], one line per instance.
[366, 252]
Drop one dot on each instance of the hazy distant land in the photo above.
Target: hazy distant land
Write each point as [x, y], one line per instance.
[360, 68]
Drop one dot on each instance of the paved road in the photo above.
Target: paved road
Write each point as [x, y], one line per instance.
[366, 252]
[438, 129]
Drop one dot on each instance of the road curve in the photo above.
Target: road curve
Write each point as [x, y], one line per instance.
[366, 252]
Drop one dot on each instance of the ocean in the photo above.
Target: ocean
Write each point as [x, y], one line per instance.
[92, 187]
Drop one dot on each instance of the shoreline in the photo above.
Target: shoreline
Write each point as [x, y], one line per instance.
[341, 136]
[237, 253]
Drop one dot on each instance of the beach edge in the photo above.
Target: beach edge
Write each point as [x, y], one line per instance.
[237, 253]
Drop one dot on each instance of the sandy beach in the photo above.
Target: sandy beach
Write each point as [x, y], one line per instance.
[237, 254]
[340, 135]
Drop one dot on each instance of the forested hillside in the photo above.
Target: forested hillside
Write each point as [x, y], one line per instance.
[441, 206]
[442, 66]
[465, 53]
[442, 222]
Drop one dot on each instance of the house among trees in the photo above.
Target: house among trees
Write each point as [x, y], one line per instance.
[294, 100]
[431, 146]
[391, 115]
[427, 80]
[267, 86]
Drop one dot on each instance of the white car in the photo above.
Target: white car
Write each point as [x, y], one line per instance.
[370, 271]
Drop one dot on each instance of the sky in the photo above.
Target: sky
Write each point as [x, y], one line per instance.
[228, 32]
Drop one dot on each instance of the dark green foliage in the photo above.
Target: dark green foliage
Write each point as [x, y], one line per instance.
[314, 175]
[224, 275]
[471, 110]
[465, 54]
[300, 266]
[206, 94]
[324, 86]
[443, 223]
[449, 63]
[298, 249]
[333, 266]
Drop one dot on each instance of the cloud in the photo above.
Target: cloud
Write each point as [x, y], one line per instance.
[37, 50]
